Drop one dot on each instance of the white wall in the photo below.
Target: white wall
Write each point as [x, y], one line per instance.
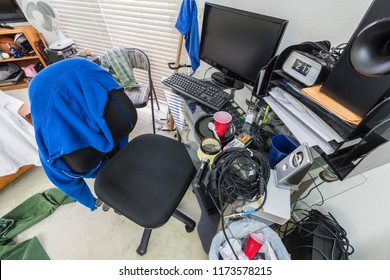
[363, 212]
[309, 20]
[360, 204]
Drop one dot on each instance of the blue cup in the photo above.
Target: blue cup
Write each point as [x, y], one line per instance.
[281, 146]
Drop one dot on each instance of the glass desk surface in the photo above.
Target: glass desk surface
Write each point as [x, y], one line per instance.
[278, 207]
[185, 113]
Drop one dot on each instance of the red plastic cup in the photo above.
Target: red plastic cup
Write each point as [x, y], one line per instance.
[253, 245]
[222, 120]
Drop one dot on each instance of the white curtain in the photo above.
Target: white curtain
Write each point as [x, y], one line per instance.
[99, 25]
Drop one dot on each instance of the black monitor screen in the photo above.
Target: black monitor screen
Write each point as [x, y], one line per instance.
[10, 12]
[239, 43]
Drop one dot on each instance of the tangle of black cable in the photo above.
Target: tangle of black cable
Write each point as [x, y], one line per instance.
[301, 199]
[332, 56]
[262, 135]
[330, 225]
[241, 174]
[232, 186]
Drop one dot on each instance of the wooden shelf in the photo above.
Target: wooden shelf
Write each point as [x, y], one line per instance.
[20, 59]
[16, 30]
[32, 36]
[19, 85]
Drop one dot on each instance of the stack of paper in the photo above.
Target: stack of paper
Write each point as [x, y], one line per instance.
[301, 121]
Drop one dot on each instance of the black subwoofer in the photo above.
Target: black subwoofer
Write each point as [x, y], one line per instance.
[361, 79]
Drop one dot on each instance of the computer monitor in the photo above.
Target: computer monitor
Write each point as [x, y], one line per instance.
[10, 12]
[238, 43]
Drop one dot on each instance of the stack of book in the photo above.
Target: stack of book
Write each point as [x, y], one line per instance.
[13, 79]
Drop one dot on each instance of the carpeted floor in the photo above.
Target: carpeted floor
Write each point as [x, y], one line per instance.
[73, 232]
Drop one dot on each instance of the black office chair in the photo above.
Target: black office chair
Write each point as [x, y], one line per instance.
[145, 180]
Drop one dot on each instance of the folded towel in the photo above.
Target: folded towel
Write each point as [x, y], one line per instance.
[117, 62]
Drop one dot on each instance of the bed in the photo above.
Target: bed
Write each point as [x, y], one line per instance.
[18, 149]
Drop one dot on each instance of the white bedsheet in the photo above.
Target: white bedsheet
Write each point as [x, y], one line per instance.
[17, 141]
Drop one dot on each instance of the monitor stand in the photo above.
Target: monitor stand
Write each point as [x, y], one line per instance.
[225, 81]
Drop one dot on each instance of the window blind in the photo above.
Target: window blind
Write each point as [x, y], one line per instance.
[100, 25]
[83, 22]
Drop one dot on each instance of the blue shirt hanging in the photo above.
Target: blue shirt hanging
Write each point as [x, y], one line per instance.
[187, 24]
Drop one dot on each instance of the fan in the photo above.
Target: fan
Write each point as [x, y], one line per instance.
[45, 20]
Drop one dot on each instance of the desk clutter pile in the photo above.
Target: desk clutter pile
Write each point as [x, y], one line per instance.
[316, 236]
[10, 73]
[242, 178]
[16, 47]
[18, 57]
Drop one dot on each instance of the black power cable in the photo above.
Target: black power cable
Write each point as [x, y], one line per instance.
[239, 174]
[330, 230]
[262, 136]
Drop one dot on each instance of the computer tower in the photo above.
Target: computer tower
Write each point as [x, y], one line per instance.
[355, 90]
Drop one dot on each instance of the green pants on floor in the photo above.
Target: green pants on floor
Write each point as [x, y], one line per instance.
[30, 212]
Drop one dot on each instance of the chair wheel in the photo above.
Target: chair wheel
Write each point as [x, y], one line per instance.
[141, 252]
[98, 202]
[189, 228]
[105, 207]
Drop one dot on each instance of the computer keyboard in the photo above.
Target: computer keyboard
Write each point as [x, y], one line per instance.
[200, 91]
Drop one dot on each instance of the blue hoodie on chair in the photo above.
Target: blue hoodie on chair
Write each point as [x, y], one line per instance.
[67, 98]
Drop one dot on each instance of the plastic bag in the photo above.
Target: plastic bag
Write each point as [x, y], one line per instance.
[242, 229]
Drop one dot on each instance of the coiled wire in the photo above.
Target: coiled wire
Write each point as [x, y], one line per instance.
[241, 174]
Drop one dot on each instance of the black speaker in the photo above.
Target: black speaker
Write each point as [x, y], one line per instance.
[361, 79]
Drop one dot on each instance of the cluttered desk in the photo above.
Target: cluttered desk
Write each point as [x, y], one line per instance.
[297, 117]
[270, 206]
[192, 120]
[286, 130]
